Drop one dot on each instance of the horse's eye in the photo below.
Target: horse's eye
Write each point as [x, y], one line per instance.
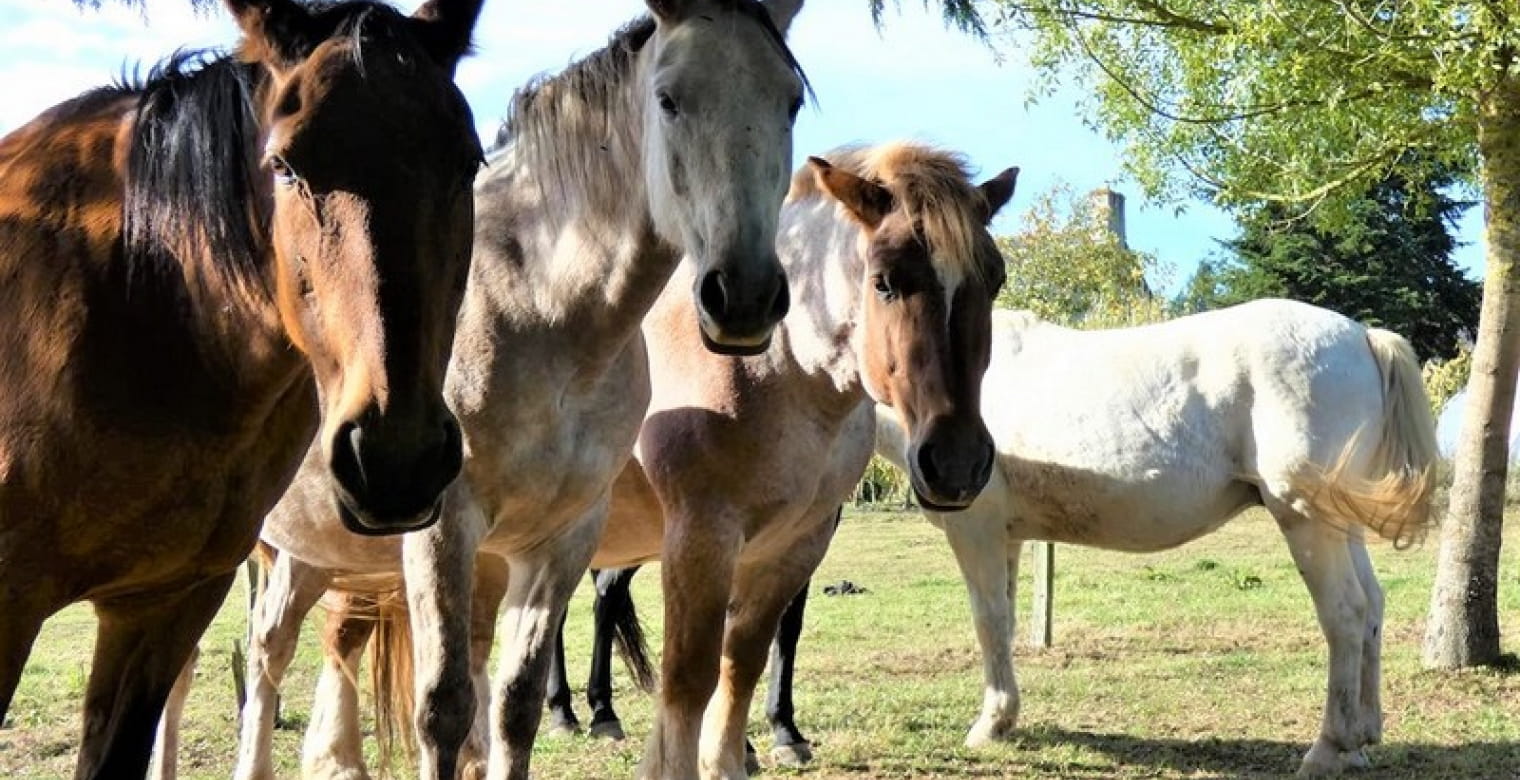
[883, 287]
[795, 107]
[281, 169]
[667, 103]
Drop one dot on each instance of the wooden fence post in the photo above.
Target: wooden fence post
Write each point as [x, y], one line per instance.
[1040, 626]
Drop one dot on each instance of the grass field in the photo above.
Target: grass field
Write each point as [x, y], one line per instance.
[1203, 662]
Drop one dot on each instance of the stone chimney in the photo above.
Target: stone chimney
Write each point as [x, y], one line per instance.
[1108, 208]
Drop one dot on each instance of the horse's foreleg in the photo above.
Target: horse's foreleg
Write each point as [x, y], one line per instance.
[989, 562]
[293, 590]
[334, 747]
[1324, 560]
[491, 579]
[762, 590]
[697, 570]
[23, 608]
[165, 764]
[540, 589]
[142, 646]
[440, 566]
[613, 593]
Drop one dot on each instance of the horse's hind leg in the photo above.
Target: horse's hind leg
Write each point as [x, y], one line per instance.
[293, 589]
[558, 698]
[142, 645]
[333, 748]
[165, 764]
[1372, 646]
[1325, 561]
[789, 748]
[613, 593]
[989, 563]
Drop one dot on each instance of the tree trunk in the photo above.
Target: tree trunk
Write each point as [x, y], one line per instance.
[1463, 627]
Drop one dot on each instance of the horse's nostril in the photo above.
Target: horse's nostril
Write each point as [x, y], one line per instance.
[781, 303]
[713, 294]
[346, 465]
[926, 467]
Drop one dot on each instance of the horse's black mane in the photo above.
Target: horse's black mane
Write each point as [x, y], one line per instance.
[194, 157]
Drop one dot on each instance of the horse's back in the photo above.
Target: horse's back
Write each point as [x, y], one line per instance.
[1145, 437]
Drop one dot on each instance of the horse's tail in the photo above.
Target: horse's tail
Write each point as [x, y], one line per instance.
[632, 645]
[382, 600]
[392, 679]
[1391, 495]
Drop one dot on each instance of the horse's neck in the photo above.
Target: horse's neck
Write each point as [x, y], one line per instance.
[822, 253]
[567, 246]
[181, 312]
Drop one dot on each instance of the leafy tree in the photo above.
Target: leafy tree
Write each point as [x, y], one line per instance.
[1310, 102]
[1068, 267]
[1389, 265]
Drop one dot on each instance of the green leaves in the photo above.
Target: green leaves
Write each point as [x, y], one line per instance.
[1306, 102]
[1068, 267]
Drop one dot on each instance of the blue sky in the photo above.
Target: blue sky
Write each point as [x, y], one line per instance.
[913, 79]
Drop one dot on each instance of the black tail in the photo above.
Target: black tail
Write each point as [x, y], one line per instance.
[617, 600]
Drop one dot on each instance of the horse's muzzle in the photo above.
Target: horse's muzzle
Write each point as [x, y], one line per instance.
[366, 524]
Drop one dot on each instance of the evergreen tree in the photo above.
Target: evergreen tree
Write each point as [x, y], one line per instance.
[1389, 265]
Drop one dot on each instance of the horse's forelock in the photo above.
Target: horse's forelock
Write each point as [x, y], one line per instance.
[933, 188]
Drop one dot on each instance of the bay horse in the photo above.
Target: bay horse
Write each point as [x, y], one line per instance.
[1144, 438]
[675, 139]
[198, 271]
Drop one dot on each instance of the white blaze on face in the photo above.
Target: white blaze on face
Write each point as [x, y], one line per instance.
[950, 278]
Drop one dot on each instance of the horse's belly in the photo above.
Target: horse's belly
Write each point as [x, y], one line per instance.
[1136, 516]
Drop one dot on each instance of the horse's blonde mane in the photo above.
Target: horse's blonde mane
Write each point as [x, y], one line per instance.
[933, 187]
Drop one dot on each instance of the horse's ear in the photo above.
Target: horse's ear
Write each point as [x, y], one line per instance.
[997, 190]
[447, 29]
[868, 202]
[265, 25]
[668, 11]
[782, 12]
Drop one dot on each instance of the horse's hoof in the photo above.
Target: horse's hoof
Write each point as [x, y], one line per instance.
[751, 763]
[564, 730]
[985, 733]
[795, 754]
[1357, 759]
[609, 729]
[1322, 760]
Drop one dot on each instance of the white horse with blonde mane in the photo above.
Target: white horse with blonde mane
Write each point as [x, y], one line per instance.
[1141, 439]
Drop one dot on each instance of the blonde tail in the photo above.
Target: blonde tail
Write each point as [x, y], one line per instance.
[391, 678]
[380, 600]
[1391, 495]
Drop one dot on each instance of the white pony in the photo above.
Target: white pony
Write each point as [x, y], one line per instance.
[1144, 438]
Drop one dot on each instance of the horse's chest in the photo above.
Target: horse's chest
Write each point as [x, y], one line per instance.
[538, 467]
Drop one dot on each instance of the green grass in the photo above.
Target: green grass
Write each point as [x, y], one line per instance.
[1202, 662]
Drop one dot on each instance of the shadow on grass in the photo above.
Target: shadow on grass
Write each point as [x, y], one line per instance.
[1216, 757]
